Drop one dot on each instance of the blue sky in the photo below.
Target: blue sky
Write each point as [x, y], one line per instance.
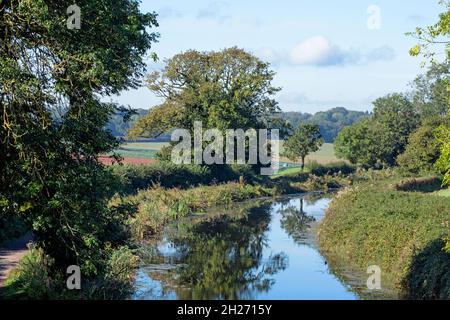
[323, 51]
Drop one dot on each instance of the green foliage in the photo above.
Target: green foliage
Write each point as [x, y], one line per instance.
[131, 178]
[225, 90]
[34, 280]
[395, 119]
[434, 35]
[157, 206]
[377, 141]
[330, 122]
[305, 139]
[52, 84]
[422, 151]
[330, 168]
[443, 163]
[430, 91]
[357, 144]
[373, 225]
[429, 273]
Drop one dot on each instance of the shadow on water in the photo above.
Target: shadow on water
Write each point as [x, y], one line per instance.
[260, 250]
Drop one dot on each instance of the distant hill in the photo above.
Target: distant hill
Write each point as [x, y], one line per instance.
[330, 122]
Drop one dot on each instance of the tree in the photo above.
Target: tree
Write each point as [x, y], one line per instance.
[52, 80]
[443, 163]
[423, 149]
[357, 143]
[377, 141]
[396, 118]
[430, 91]
[225, 89]
[432, 36]
[305, 139]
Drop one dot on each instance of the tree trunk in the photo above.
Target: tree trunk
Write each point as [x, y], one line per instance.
[303, 163]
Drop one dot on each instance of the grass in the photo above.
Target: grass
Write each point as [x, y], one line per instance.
[325, 155]
[145, 150]
[31, 280]
[444, 193]
[402, 232]
[158, 206]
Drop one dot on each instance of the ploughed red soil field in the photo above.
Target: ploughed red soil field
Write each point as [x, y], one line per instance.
[108, 161]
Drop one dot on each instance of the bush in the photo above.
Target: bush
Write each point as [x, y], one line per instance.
[339, 167]
[426, 184]
[157, 206]
[31, 280]
[422, 151]
[132, 178]
[372, 226]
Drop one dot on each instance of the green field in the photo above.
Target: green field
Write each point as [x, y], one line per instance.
[323, 156]
[444, 193]
[148, 150]
[145, 150]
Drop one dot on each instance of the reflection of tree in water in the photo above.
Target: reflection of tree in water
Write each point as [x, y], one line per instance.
[295, 221]
[223, 258]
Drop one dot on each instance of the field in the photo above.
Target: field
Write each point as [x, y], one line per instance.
[444, 193]
[137, 152]
[324, 156]
[144, 153]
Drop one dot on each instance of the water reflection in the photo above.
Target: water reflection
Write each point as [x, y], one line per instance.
[243, 254]
[219, 258]
[295, 221]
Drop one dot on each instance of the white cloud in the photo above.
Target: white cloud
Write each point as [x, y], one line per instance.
[315, 50]
[320, 51]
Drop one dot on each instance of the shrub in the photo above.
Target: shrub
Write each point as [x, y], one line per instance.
[132, 178]
[422, 151]
[340, 167]
[372, 226]
[31, 280]
[157, 206]
[426, 184]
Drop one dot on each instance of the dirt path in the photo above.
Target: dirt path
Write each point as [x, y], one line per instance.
[10, 255]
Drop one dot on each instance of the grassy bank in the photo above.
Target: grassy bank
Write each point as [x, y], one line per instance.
[155, 201]
[152, 196]
[402, 232]
[32, 280]
[157, 206]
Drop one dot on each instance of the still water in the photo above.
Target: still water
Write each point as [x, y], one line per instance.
[260, 250]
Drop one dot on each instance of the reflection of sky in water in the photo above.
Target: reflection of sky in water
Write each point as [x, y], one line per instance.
[306, 275]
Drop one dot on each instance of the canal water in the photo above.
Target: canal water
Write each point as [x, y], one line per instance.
[258, 250]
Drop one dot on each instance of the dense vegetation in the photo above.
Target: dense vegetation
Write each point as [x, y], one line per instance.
[402, 128]
[401, 226]
[304, 140]
[52, 84]
[402, 232]
[330, 122]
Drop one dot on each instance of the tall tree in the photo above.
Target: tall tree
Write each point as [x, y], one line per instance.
[52, 80]
[357, 143]
[423, 149]
[225, 89]
[305, 139]
[396, 118]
